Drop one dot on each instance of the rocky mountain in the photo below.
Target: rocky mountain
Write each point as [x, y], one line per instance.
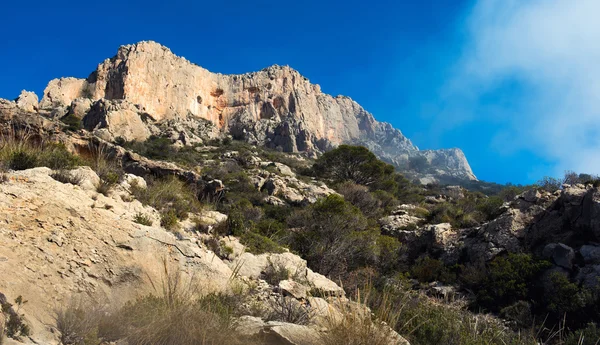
[145, 89]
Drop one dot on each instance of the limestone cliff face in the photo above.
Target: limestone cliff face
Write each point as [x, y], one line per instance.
[276, 107]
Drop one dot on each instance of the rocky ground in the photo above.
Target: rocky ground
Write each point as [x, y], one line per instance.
[60, 241]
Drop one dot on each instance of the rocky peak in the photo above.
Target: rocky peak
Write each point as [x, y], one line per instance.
[276, 107]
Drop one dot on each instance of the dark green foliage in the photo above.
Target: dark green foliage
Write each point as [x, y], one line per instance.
[324, 235]
[170, 196]
[154, 147]
[142, 219]
[274, 273]
[422, 322]
[427, 269]
[15, 326]
[259, 244]
[53, 156]
[561, 296]
[22, 160]
[73, 122]
[508, 280]
[590, 335]
[352, 163]
[168, 219]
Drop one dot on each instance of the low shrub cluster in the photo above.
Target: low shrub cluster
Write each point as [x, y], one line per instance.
[20, 152]
[173, 198]
[177, 314]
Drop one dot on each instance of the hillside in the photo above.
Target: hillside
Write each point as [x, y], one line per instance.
[124, 222]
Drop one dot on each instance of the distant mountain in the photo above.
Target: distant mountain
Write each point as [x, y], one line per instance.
[145, 89]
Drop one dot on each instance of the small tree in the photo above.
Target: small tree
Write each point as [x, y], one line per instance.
[326, 235]
[352, 163]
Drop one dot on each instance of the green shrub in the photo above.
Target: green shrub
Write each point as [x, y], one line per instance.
[169, 195]
[590, 335]
[22, 160]
[259, 244]
[15, 326]
[275, 272]
[427, 269]
[324, 235]
[168, 219]
[352, 163]
[423, 322]
[508, 280]
[73, 122]
[561, 296]
[142, 219]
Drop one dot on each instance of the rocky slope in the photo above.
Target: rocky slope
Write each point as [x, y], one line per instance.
[60, 242]
[145, 88]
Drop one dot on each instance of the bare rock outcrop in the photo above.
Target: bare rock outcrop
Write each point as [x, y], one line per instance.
[27, 101]
[276, 107]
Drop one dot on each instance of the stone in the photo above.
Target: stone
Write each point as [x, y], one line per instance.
[273, 200]
[589, 276]
[27, 101]
[67, 242]
[590, 254]
[291, 288]
[276, 107]
[80, 107]
[395, 223]
[561, 254]
[278, 333]
[86, 177]
[121, 118]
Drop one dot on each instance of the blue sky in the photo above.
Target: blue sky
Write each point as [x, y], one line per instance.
[512, 83]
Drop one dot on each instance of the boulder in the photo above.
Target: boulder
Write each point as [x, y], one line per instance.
[392, 224]
[27, 101]
[278, 333]
[589, 276]
[560, 254]
[120, 117]
[291, 288]
[86, 178]
[590, 254]
[80, 107]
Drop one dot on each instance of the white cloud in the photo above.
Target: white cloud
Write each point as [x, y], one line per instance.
[552, 48]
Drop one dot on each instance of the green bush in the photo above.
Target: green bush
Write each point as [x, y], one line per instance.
[274, 273]
[509, 279]
[22, 160]
[142, 219]
[427, 269]
[590, 335]
[324, 235]
[423, 322]
[259, 244]
[352, 163]
[168, 219]
[73, 122]
[169, 196]
[561, 296]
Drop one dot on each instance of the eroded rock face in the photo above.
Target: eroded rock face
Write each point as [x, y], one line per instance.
[27, 101]
[276, 107]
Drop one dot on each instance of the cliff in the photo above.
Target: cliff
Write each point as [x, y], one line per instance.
[145, 84]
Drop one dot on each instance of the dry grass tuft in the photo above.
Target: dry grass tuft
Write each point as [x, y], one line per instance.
[176, 313]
